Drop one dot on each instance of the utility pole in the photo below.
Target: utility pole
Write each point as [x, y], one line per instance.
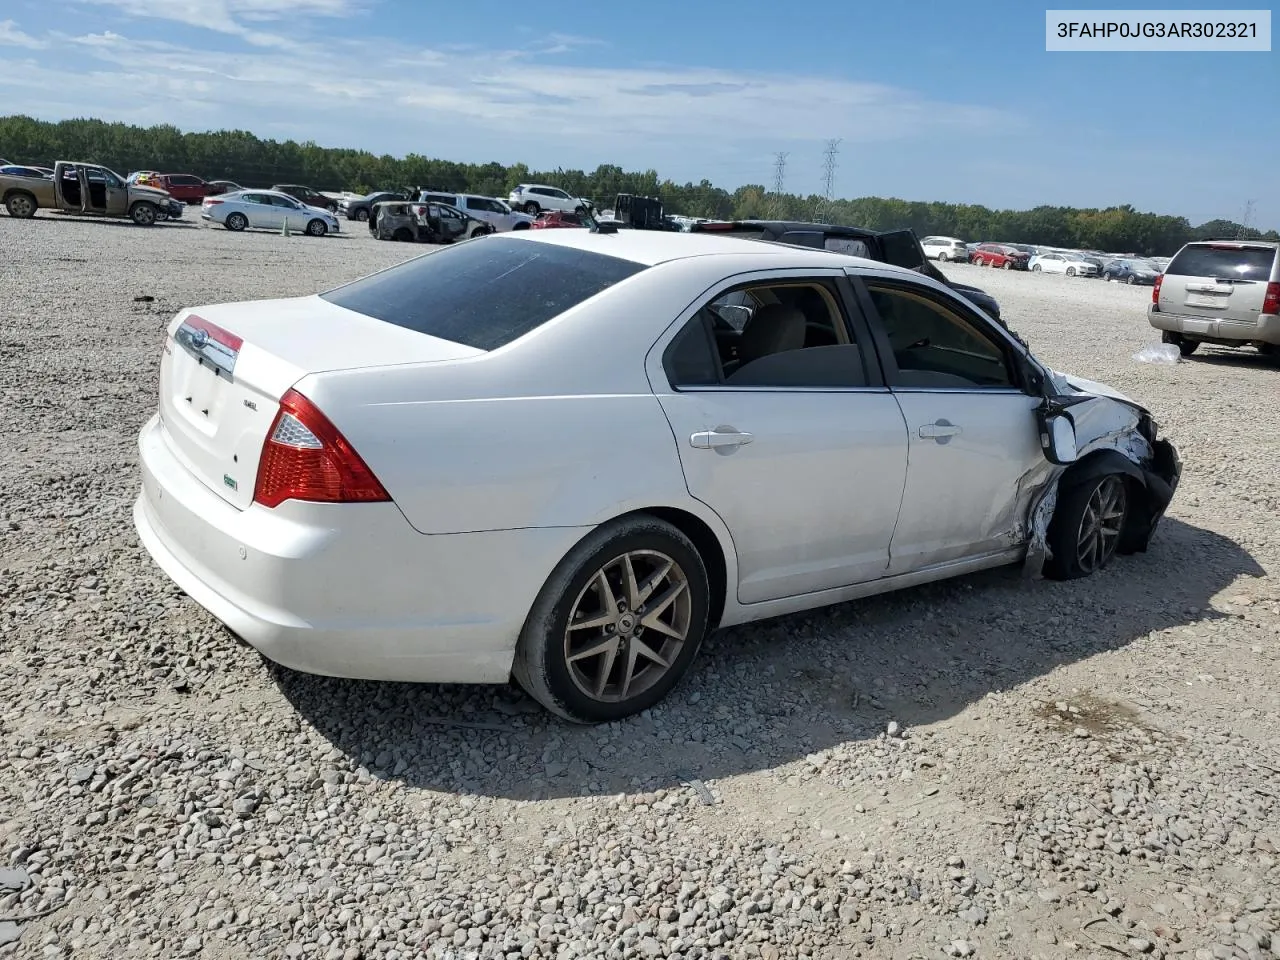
[779, 173]
[828, 180]
[1246, 219]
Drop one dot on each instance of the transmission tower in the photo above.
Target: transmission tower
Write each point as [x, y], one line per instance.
[779, 173]
[828, 180]
[1246, 219]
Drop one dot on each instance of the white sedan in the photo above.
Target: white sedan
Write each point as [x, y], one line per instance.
[567, 455]
[1062, 263]
[267, 210]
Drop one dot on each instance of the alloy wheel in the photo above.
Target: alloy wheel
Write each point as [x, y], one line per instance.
[628, 625]
[1101, 523]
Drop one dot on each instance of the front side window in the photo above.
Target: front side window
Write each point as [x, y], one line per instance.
[935, 346]
[782, 334]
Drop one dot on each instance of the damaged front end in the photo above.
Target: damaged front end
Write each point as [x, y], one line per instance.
[1088, 431]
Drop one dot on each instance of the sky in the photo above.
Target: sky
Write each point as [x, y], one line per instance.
[931, 100]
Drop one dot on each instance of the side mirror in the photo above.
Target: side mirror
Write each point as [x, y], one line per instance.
[736, 314]
[1058, 437]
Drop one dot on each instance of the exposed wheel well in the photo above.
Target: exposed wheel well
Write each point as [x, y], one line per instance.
[708, 548]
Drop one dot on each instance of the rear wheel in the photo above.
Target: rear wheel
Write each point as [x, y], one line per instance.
[1130, 280]
[317, 228]
[531, 208]
[236, 222]
[1008, 265]
[617, 623]
[1185, 347]
[362, 215]
[403, 235]
[21, 206]
[1087, 525]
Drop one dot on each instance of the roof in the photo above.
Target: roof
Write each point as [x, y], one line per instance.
[650, 247]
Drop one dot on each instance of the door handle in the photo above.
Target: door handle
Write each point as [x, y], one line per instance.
[941, 430]
[716, 439]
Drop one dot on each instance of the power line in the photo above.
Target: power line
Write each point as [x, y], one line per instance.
[828, 179]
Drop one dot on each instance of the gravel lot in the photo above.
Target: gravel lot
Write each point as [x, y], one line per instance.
[985, 767]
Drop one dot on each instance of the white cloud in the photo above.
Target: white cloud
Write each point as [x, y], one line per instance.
[11, 36]
[465, 103]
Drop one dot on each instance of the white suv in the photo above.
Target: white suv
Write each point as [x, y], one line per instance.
[493, 212]
[945, 248]
[533, 198]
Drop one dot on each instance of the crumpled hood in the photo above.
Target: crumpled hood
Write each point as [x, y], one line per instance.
[150, 193]
[1070, 383]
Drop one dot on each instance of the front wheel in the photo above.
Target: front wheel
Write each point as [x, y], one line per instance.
[1036, 268]
[317, 228]
[1008, 264]
[144, 214]
[1087, 526]
[362, 215]
[1130, 280]
[617, 623]
[1071, 271]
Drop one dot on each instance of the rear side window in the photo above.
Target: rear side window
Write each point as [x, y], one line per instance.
[1225, 261]
[484, 293]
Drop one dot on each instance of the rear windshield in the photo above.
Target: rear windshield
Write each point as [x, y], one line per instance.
[1223, 261]
[486, 292]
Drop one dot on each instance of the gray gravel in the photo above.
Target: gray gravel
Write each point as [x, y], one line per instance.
[985, 767]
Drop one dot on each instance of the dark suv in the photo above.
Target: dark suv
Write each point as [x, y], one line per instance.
[899, 248]
[312, 198]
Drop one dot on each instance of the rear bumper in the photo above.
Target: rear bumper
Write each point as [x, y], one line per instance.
[347, 590]
[1265, 330]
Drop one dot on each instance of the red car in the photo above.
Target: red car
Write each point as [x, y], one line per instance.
[1000, 255]
[555, 219]
[183, 187]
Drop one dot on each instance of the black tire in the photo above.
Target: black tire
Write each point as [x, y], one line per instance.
[531, 208]
[1008, 264]
[403, 235]
[1071, 271]
[362, 215]
[21, 206]
[317, 228]
[144, 214]
[580, 211]
[542, 665]
[236, 222]
[1130, 280]
[1185, 347]
[944, 257]
[1072, 526]
[1036, 268]
[521, 226]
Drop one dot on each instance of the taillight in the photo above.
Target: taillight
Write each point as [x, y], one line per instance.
[209, 202]
[306, 458]
[1271, 299]
[1155, 289]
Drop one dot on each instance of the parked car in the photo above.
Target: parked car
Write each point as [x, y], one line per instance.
[185, 187]
[218, 187]
[494, 212]
[308, 452]
[897, 247]
[86, 189]
[1224, 292]
[1069, 264]
[1001, 255]
[360, 209]
[267, 210]
[312, 198]
[1131, 271]
[533, 198]
[945, 248]
[414, 221]
[16, 170]
[554, 220]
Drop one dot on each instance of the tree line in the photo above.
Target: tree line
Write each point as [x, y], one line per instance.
[244, 158]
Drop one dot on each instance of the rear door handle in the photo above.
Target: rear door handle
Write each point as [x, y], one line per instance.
[715, 439]
[941, 430]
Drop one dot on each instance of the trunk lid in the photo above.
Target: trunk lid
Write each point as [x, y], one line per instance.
[1222, 280]
[224, 369]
